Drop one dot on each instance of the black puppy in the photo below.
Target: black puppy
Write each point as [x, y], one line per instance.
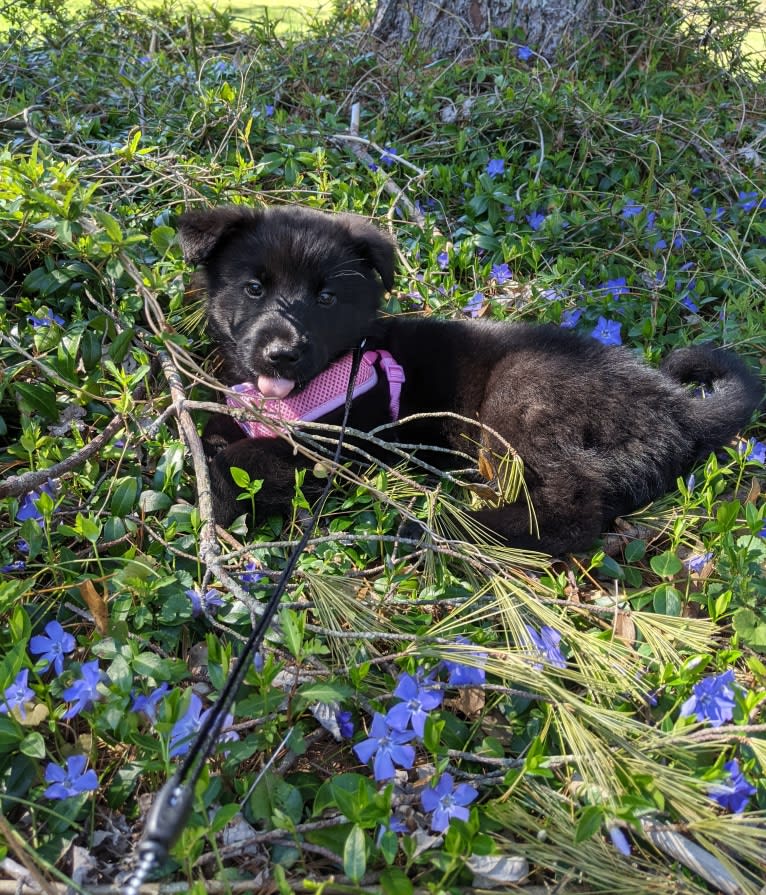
[289, 291]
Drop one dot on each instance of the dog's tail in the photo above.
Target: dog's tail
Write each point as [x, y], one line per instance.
[731, 392]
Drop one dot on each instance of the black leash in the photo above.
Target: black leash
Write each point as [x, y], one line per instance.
[172, 804]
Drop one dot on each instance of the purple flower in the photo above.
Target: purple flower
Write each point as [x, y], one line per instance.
[445, 801]
[620, 841]
[187, 726]
[510, 213]
[53, 645]
[49, 319]
[28, 505]
[269, 110]
[754, 451]
[387, 748]
[388, 156]
[462, 675]
[418, 701]
[570, 317]
[607, 331]
[631, 209]
[524, 53]
[251, 575]
[345, 724]
[748, 201]
[148, 703]
[535, 220]
[501, 273]
[495, 167]
[65, 783]
[616, 287]
[547, 645]
[712, 699]
[84, 691]
[734, 795]
[474, 305]
[394, 825]
[18, 565]
[211, 600]
[442, 259]
[697, 562]
[688, 302]
[18, 694]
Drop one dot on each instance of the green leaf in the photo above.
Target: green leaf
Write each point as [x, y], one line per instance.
[666, 564]
[33, 745]
[124, 496]
[109, 224]
[394, 881]
[39, 397]
[589, 823]
[667, 601]
[635, 551]
[241, 476]
[355, 854]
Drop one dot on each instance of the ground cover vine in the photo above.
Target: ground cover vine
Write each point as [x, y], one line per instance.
[426, 715]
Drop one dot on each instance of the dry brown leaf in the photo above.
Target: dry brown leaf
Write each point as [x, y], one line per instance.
[624, 628]
[97, 605]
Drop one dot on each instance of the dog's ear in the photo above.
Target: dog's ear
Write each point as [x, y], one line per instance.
[199, 232]
[375, 246]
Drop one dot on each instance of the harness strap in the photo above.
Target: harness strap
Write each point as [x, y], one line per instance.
[323, 394]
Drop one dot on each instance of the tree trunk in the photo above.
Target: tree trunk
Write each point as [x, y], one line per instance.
[448, 28]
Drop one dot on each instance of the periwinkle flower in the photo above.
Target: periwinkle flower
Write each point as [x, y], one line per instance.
[461, 674]
[417, 701]
[570, 318]
[49, 319]
[619, 840]
[754, 451]
[386, 747]
[17, 565]
[547, 645]
[18, 694]
[388, 156]
[735, 794]
[524, 53]
[631, 209]
[535, 220]
[83, 692]
[495, 167]
[210, 600]
[65, 783]
[53, 645]
[474, 305]
[252, 574]
[442, 259]
[712, 699]
[28, 505]
[345, 722]
[697, 562]
[501, 273]
[148, 703]
[607, 331]
[187, 726]
[445, 801]
[616, 287]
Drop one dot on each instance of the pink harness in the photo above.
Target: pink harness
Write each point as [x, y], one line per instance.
[325, 393]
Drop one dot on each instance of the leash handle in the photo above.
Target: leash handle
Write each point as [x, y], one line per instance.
[173, 803]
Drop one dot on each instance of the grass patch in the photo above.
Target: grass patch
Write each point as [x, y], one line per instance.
[592, 719]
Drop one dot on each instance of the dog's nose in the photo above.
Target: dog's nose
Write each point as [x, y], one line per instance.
[278, 352]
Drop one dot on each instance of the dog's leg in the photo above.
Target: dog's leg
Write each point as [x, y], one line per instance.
[270, 460]
[557, 535]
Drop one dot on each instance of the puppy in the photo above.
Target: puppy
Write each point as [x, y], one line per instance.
[290, 292]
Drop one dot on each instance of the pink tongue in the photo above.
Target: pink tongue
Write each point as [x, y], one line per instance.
[270, 387]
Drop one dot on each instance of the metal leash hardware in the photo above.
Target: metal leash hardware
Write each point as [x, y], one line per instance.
[173, 803]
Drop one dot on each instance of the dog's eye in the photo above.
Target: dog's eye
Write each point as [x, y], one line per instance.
[254, 289]
[326, 298]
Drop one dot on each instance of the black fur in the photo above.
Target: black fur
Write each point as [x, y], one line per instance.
[600, 433]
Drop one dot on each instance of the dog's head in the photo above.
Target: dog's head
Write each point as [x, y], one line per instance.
[289, 289]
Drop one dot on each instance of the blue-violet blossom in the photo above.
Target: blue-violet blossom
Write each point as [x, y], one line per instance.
[445, 801]
[387, 747]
